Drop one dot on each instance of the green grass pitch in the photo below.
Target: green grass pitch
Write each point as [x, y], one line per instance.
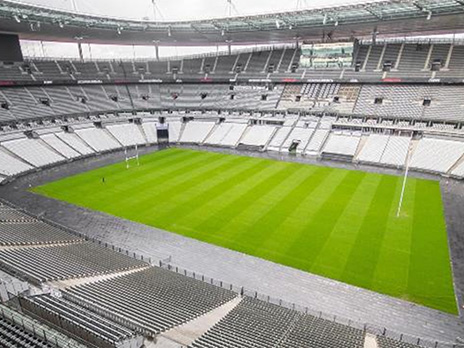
[333, 222]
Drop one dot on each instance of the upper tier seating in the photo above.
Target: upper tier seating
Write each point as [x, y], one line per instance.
[405, 61]
[411, 101]
[153, 299]
[400, 101]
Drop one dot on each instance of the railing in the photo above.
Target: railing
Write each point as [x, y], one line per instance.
[51, 337]
[379, 331]
[414, 40]
[126, 252]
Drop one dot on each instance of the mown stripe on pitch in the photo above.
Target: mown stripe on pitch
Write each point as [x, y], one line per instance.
[112, 199]
[163, 176]
[243, 196]
[156, 197]
[362, 262]
[104, 195]
[315, 233]
[244, 229]
[391, 275]
[430, 280]
[214, 201]
[271, 226]
[89, 183]
[187, 210]
[306, 211]
[333, 257]
[175, 206]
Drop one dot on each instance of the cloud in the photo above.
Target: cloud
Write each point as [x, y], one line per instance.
[183, 9]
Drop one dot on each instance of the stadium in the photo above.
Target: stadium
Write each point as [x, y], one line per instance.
[221, 174]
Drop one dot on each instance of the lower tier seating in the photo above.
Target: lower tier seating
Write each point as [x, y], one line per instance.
[254, 323]
[385, 342]
[153, 299]
[14, 336]
[79, 321]
[35, 232]
[69, 261]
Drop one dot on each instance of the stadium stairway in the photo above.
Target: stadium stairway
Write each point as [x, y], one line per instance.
[270, 139]
[63, 284]
[187, 333]
[361, 144]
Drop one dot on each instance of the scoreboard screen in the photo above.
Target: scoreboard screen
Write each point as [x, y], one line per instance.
[333, 55]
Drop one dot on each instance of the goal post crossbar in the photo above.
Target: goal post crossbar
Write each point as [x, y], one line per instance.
[133, 157]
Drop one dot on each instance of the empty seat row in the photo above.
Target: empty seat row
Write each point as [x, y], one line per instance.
[69, 261]
[81, 322]
[154, 299]
[14, 336]
[32, 232]
[254, 323]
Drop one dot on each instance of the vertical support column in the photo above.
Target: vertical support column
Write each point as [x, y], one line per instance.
[427, 61]
[398, 59]
[229, 47]
[448, 57]
[156, 44]
[367, 58]
[42, 48]
[79, 47]
[380, 62]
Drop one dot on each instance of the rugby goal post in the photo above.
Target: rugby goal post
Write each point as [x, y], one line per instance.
[134, 156]
[405, 178]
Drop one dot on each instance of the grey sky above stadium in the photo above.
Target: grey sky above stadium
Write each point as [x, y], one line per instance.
[168, 10]
[185, 9]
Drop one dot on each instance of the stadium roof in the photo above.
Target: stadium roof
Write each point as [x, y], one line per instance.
[385, 18]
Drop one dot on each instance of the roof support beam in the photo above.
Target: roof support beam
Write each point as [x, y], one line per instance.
[374, 13]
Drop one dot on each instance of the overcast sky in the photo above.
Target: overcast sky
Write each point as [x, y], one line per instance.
[185, 9]
[166, 10]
